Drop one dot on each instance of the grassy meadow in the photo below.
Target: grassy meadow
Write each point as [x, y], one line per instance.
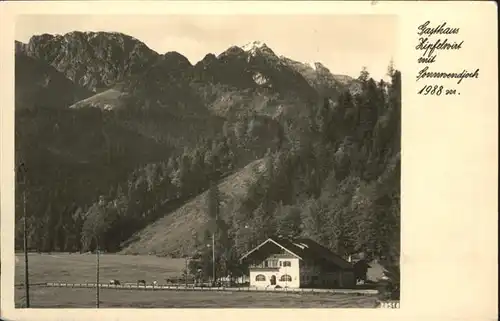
[80, 268]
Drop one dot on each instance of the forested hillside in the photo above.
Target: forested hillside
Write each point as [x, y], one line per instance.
[74, 157]
[336, 181]
[140, 150]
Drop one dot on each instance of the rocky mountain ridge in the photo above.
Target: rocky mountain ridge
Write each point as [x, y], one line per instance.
[100, 61]
[94, 60]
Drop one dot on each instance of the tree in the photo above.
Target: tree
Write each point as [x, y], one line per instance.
[390, 68]
[323, 119]
[75, 230]
[313, 219]
[215, 231]
[240, 130]
[46, 237]
[184, 174]
[213, 203]
[289, 221]
[394, 102]
[95, 225]
[263, 214]
[364, 75]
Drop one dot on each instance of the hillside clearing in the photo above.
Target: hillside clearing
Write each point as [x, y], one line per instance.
[173, 233]
[109, 99]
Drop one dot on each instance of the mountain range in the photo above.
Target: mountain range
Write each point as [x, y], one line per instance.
[100, 117]
[113, 66]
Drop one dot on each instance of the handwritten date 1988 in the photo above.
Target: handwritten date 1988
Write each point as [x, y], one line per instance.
[436, 90]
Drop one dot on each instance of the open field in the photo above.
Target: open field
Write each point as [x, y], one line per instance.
[46, 297]
[80, 268]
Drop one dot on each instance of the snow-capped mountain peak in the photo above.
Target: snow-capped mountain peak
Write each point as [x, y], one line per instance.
[257, 46]
[254, 45]
[312, 65]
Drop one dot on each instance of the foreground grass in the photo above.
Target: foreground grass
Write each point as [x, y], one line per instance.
[45, 297]
[81, 268]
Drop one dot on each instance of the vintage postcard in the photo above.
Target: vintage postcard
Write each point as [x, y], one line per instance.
[237, 159]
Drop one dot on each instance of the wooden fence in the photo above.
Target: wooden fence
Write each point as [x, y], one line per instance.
[179, 287]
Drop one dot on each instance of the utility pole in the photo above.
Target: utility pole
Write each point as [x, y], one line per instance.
[213, 258]
[213, 238]
[22, 173]
[97, 273]
[25, 237]
[213, 209]
[96, 237]
[186, 277]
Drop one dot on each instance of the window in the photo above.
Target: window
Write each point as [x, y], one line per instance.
[287, 263]
[273, 263]
[260, 277]
[286, 278]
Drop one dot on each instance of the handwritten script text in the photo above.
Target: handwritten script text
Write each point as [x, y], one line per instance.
[432, 41]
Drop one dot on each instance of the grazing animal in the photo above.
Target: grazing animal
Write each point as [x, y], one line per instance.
[143, 282]
[114, 282]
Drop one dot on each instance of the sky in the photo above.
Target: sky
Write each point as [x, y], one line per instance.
[343, 43]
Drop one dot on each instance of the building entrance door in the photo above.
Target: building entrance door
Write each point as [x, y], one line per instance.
[273, 280]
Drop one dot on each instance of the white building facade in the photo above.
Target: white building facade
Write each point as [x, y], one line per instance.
[287, 264]
[282, 271]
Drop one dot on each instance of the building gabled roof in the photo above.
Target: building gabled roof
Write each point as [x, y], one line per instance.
[305, 249]
[266, 242]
